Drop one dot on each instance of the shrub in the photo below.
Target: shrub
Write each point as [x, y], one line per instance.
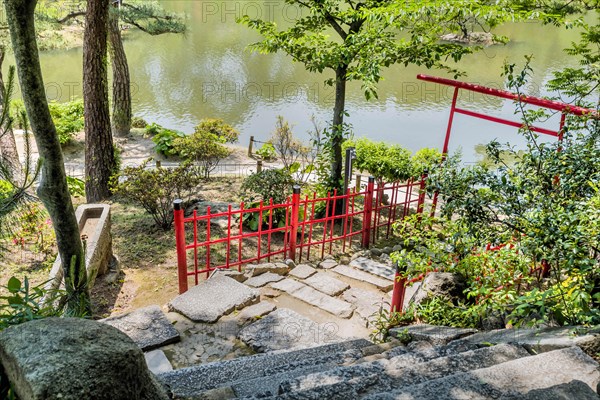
[68, 119]
[268, 184]
[138, 122]
[387, 163]
[164, 139]
[156, 189]
[426, 159]
[219, 128]
[204, 148]
[267, 152]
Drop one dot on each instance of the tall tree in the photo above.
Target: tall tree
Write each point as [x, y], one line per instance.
[121, 104]
[52, 189]
[357, 39]
[99, 153]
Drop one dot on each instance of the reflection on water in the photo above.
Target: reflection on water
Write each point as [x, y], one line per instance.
[180, 79]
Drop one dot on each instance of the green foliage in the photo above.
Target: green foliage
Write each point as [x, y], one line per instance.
[68, 119]
[425, 160]
[164, 139]
[138, 122]
[386, 162]
[268, 184]
[156, 189]
[150, 17]
[204, 148]
[6, 189]
[267, 152]
[23, 303]
[76, 186]
[225, 132]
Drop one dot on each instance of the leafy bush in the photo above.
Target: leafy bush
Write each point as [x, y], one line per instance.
[68, 119]
[156, 189]
[138, 122]
[268, 184]
[225, 132]
[76, 186]
[267, 152]
[425, 159]
[387, 163]
[164, 139]
[204, 148]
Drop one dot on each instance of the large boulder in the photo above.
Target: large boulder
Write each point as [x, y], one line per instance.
[440, 284]
[71, 358]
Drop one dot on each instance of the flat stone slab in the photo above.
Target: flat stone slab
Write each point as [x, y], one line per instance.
[232, 273]
[284, 329]
[315, 298]
[367, 302]
[380, 283]
[545, 339]
[437, 335]
[148, 327]
[327, 284]
[157, 362]
[275, 268]
[256, 311]
[303, 271]
[328, 264]
[288, 285]
[263, 279]
[210, 300]
[373, 267]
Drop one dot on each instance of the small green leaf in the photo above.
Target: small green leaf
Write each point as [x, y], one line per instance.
[14, 285]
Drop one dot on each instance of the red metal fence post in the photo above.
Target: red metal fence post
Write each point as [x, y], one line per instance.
[399, 291]
[180, 244]
[294, 221]
[368, 213]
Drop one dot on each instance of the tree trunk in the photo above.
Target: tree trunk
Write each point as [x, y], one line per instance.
[8, 144]
[52, 189]
[337, 128]
[121, 113]
[99, 155]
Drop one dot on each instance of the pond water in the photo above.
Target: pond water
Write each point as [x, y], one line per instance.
[208, 72]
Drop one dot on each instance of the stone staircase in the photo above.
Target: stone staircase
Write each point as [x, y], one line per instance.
[460, 369]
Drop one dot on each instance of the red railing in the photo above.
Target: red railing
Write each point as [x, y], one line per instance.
[299, 229]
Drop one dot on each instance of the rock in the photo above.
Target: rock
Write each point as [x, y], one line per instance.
[303, 271]
[263, 279]
[210, 300]
[374, 267]
[269, 293]
[275, 268]
[436, 335]
[544, 339]
[256, 311]
[396, 248]
[284, 329]
[148, 327]
[216, 207]
[328, 263]
[387, 250]
[358, 254]
[375, 252]
[73, 359]
[288, 285]
[233, 274]
[328, 257]
[326, 284]
[382, 284]
[367, 302]
[290, 263]
[157, 362]
[444, 284]
[385, 258]
[344, 260]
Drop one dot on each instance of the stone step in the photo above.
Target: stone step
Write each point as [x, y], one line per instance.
[367, 302]
[380, 283]
[574, 390]
[193, 381]
[438, 335]
[373, 267]
[385, 375]
[307, 294]
[213, 298]
[511, 379]
[326, 284]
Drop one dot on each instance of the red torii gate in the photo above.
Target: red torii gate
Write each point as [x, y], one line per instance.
[563, 108]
